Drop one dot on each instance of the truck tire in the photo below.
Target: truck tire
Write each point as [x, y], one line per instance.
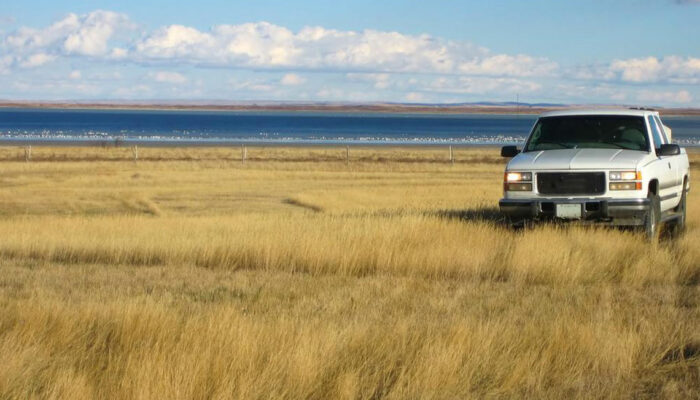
[679, 224]
[519, 223]
[651, 220]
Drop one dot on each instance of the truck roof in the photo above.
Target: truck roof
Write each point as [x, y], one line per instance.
[600, 111]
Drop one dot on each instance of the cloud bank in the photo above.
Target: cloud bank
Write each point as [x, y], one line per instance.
[83, 35]
[354, 64]
[264, 45]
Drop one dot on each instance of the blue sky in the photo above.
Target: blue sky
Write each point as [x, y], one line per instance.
[642, 52]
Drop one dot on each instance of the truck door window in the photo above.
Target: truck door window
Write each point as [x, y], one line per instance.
[664, 136]
[658, 141]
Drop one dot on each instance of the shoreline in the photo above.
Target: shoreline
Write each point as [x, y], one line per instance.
[127, 143]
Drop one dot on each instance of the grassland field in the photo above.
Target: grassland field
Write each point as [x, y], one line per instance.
[190, 274]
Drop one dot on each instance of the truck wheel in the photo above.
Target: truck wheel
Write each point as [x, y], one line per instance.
[516, 224]
[651, 220]
[679, 224]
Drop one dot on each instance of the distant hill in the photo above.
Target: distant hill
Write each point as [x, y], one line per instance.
[450, 108]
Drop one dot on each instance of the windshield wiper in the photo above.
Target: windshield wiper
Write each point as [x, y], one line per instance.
[619, 146]
[563, 145]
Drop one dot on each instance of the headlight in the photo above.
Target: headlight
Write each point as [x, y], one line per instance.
[626, 176]
[517, 181]
[518, 176]
[621, 180]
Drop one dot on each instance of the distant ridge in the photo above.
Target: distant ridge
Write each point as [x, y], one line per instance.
[280, 106]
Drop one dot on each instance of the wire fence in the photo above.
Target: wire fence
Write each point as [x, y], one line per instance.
[249, 154]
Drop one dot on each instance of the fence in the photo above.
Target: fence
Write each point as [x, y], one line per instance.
[257, 153]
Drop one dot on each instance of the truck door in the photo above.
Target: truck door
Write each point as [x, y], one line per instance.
[668, 168]
[676, 160]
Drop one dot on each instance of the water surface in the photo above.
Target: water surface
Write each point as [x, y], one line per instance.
[221, 127]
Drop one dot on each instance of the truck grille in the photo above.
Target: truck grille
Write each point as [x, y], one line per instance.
[571, 183]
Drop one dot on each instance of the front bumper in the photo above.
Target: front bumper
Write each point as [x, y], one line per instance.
[615, 211]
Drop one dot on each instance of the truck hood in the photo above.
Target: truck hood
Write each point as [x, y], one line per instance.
[577, 159]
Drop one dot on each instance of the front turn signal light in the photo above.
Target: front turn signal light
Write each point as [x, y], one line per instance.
[625, 185]
[519, 187]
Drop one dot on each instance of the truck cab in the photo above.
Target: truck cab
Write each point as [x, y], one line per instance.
[615, 167]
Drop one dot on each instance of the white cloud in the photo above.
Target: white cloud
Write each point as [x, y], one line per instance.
[36, 60]
[677, 97]
[506, 65]
[276, 62]
[87, 34]
[25, 40]
[607, 93]
[292, 80]
[669, 69]
[168, 77]
[175, 41]
[637, 69]
[5, 64]
[265, 45]
[83, 35]
[93, 31]
[258, 44]
[586, 92]
[414, 97]
[262, 45]
[118, 53]
[682, 70]
[651, 69]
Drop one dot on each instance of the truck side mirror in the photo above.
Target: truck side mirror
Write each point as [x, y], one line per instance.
[669, 150]
[509, 151]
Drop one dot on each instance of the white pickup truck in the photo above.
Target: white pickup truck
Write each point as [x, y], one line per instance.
[616, 167]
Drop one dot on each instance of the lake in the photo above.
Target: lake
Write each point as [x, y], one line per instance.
[225, 127]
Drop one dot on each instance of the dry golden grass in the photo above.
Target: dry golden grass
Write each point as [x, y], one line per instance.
[190, 274]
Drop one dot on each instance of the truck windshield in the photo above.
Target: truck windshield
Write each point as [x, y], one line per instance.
[589, 132]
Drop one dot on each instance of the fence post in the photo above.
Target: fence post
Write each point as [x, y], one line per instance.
[135, 150]
[28, 153]
[244, 153]
[452, 159]
[347, 155]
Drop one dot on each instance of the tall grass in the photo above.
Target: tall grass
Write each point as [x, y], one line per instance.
[408, 245]
[194, 275]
